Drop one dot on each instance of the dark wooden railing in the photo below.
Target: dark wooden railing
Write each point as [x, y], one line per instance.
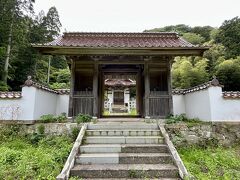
[83, 102]
[159, 104]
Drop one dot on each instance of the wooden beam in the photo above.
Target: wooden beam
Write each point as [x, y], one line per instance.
[72, 85]
[64, 50]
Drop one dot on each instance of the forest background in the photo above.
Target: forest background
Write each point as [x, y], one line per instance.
[20, 26]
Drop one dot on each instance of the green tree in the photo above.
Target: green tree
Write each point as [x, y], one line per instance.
[27, 28]
[203, 31]
[59, 62]
[215, 55]
[52, 23]
[228, 74]
[180, 28]
[229, 36]
[60, 79]
[13, 19]
[189, 72]
[193, 38]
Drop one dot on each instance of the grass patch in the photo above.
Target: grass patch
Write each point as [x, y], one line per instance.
[133, 112]
[106, 113]
[23, 158]
[212, 163]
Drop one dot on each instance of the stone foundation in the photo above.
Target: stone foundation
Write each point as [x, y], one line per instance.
[204, 134]
[181, 134]
[50, 128]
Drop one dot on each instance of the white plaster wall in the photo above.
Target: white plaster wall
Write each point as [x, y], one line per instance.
[28, 103]
[19, 109]
[179, 104]
[197, 105]
[45, 103]
[207, 105]
[223, 109]
[62, 104]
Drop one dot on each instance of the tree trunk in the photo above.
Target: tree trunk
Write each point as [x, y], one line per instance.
[9, 46]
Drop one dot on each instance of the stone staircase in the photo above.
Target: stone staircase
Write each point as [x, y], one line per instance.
[127, 150]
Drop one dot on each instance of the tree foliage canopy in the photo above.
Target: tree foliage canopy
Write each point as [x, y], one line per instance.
[19, 21]
[222, 59]
[20, 27]
[229, 36]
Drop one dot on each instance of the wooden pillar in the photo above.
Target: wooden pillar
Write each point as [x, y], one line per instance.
[147, 88]
[138, 92]
[170, 61]
[72, 85]
[95, 90]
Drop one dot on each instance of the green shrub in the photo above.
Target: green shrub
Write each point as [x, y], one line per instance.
[41, 129]
[7, 131]
[74, 133]
[20, 159]
[61, 118]
[50, 118]
[9, 156]
[82, 118]
[170, 119]
[3, 86]
[35, 138]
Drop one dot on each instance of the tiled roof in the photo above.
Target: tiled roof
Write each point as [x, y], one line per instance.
[29, 82]
[63, 91]
[119, 82]
[121, 40]
[231, 94]
[200, 87]
[178, 91]
[10, 95]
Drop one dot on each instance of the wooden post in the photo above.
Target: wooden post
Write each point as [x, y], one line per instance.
[170, 61]
[72, 85]
[138, 83]
[147, 88]
[95, 90]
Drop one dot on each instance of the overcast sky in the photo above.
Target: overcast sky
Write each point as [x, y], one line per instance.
[138, 15]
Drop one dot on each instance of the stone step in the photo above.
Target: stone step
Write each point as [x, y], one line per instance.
[123, 140]
[130, 132]
[124, 158]
[125, 171]
[127, 125]
[124, 148]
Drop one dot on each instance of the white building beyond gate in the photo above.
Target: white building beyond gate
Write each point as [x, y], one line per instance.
[206, 102]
